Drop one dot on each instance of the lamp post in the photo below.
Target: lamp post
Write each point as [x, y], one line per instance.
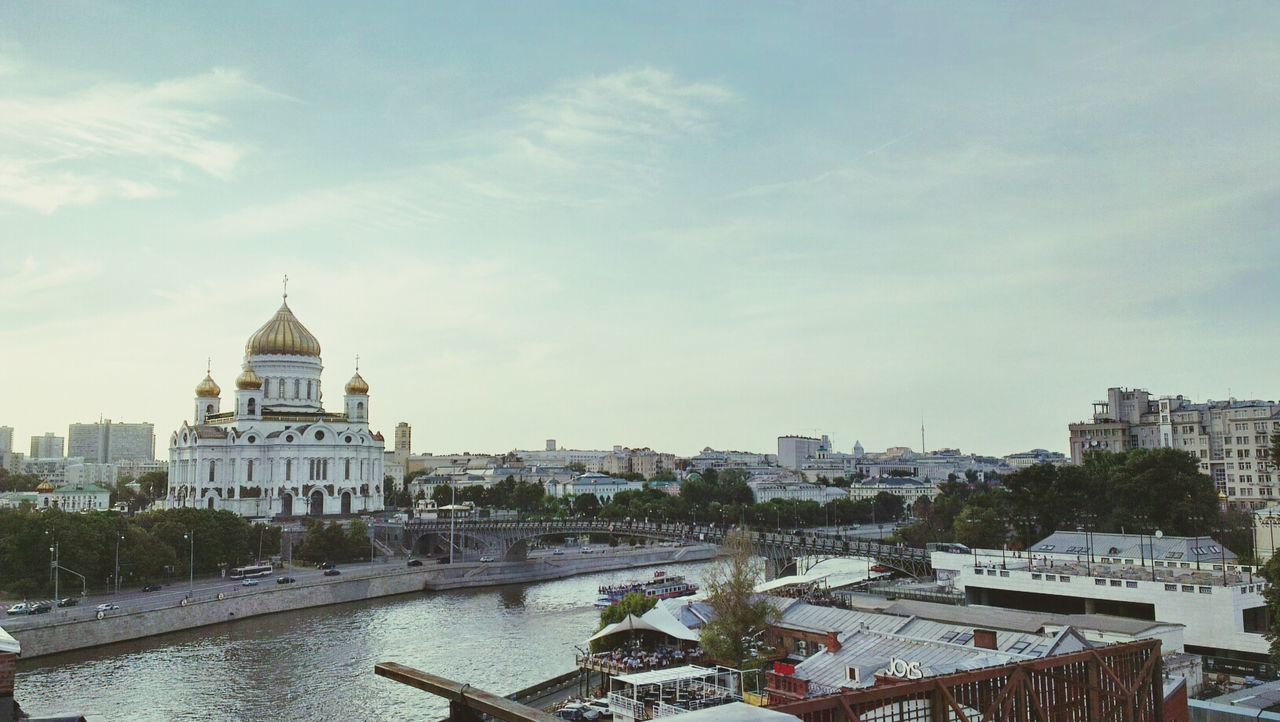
[453, 510]
[53, 563]
[191, 565]
[119, 538]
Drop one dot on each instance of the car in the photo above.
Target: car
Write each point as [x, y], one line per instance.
[331, 572]
[249, 583]
[19, 608]
[415, 562]
[486, 560]
[68, 602]
[558, 552]
[602, 706]
[151, 588]
[324, 565]
[286, 580]
[442, 560]
[42, 608]
[107, 607]
[588, 550]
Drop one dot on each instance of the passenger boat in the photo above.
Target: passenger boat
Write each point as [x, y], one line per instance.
[662, 586]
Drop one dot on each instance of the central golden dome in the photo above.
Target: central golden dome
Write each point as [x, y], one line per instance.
[283, 335]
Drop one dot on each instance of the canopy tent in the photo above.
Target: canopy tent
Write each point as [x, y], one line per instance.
[838, 572]
[662, 622]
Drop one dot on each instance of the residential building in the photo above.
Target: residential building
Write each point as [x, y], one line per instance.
[907, 487]
[748, 461]
[590, 459]
[777, 486]
[793, 450]
[278, 452]
[6, 439]
[107, 442]
[645, 462]
[1035, 457]
[52, 470]
[11, 461]
[404, 442]
[85, 474]
[1231, 439]
[128, 470]
[47, 446]
[602, 485]
[1193, 581]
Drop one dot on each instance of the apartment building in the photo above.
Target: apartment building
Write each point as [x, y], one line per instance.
[47, 446]
[1231, 439]
[107, 442]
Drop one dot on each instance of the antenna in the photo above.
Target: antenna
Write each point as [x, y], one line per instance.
[923, 450]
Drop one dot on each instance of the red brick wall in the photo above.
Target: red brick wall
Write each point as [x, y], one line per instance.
[8, 667]
[1175, 705]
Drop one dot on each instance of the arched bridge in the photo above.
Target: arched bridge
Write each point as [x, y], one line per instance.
[510, 540]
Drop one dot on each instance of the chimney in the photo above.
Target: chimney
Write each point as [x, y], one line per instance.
[984, 639]
[833, 642]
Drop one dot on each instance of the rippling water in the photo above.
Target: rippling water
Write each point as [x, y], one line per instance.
[317, 664]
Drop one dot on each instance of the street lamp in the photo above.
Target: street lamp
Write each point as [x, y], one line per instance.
[453, 510]
[191, 565]
[119, 538]
[53, 563]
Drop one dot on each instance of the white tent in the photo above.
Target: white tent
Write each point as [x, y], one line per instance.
[655, 620]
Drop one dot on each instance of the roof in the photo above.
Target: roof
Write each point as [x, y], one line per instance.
[691, 614]
[734, 712]
[658, 676]
[814, 618]
[1134, 546]
[870, 652]
[8, 644]
[997, 618]
[1262, 697]
[82, 489]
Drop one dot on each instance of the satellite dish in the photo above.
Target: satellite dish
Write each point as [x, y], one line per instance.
[1159, 534]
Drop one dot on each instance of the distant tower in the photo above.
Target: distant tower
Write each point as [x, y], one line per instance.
[923, 450]
[208, 397]
[404, 441]
[357, 397]
[551, 444]
[858, 451]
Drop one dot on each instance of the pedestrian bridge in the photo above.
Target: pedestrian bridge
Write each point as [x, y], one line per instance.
[511, 540]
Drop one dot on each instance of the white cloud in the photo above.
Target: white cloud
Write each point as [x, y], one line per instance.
[117, 140]
[28, 283]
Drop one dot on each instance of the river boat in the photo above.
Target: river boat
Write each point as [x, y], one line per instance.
[662, 586]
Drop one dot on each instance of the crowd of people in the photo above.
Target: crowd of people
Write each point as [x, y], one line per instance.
[635, 659]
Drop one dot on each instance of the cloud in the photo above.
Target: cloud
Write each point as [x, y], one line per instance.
[29, 282]
[580, 143]
[116, 140]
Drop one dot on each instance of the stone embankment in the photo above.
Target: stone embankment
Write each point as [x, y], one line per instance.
[227, 607]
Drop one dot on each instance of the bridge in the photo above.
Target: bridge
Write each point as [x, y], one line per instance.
[510, 540]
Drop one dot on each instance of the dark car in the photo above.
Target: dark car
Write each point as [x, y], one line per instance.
[151, 588]
[324, 565]
[331, 572]
[42, 608]
[286, 580]
[68, 602]
[415, 562]
[442, 560]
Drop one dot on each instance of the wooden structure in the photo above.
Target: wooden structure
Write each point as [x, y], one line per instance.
[466, 704]
[1118, 683]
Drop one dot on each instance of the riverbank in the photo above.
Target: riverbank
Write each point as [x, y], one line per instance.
[228, 607]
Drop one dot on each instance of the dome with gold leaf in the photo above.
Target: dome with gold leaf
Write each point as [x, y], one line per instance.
[46, 488]
[208, 388]
[357, 385]
[283, 335]
[248, 380]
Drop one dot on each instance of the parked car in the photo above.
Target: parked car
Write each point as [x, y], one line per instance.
[331, 572]
[107, 607]
[286, 580]
[558, 552]
[151, 588]
[486, 560]
[69, 602]
[415, 562]
[602, 706]
[249, 583]
[588, 550]
[324, 565]
[442, 560]
[19, 608]
[42, 608]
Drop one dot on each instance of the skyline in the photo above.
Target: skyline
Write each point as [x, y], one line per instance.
[672, 227]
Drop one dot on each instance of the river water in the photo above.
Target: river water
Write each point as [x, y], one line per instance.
[317, 664]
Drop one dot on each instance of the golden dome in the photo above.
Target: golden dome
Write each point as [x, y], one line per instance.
[283, 335]
[208, 388]
[45, 488]
[357, 385]
[248, 380]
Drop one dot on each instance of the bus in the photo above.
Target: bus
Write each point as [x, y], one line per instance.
[250, 572]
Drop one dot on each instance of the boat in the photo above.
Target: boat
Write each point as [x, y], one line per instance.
[604, 603]
[662, 586]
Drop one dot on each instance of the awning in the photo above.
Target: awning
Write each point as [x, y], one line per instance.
[660, 618]
[8, 644]
[630, 624]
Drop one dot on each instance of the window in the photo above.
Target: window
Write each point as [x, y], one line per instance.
[253, 407]
[211, 467]
[1206, 590]
[1131, 585]
[296, 386]
[1100, 582]
[288, 469]
[249, 471]
[348, 469]
[308, 389]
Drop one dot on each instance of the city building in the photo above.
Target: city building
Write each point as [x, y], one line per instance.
[1192, 581]
[1231, 439]
[602, 485]
[1035, 457]
[793, 450]
[278, 452]
[645, 462]
[53, 470]
[909, 488]
[748, 461]
[11, 461]
[83, 474]
[404, 442]
[776, 486]
[68, 497]
[128, 470]
[47, 446]
[6, 438]
[590, 459]
[107, 442]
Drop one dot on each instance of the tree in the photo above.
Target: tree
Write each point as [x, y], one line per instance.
[740, 615]
[980, 528]
[888, 507]
[587, 505]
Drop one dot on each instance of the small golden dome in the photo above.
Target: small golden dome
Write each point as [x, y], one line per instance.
[46, 488]
[357, 385]
[283, 335]
[248, 380]
[208, 388]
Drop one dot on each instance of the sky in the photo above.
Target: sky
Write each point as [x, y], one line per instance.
[664, 224]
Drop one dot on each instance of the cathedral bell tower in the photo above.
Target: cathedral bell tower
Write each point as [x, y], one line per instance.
[357, 397]
[208, 398]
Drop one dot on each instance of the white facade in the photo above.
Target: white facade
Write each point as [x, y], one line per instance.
[84, 474]
[107, 442]
[793, 450]
[603, 486]
[278, 452]
[766, 490]
[907, 488]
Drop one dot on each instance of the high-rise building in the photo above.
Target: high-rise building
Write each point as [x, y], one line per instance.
[6, 438]
[404, 441]
[1231, 439]
[793, 450]
[551, 445]
[46, 447]
[107, 442]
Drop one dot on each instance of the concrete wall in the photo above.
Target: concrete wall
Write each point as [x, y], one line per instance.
[202, 610]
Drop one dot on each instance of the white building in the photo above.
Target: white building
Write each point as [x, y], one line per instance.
[69, 497]
[47, 446]
[84, 474]
[592, 460]
[1192, 581]
[135, 469]
[906, 487]
[766, 489]
[53, 470]
[6, 439]
[1035, 457]
[278, 452]
[793, 450]
[602, 485]
[107, 442]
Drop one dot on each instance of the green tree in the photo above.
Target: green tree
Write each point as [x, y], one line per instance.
[740, 614]
[587, 505]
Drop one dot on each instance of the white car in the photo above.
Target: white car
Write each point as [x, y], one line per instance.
[19, 608]
[558, 552]
[601, 706]
[485, 560]
[588, 550]
[249, 583]
[107, 607]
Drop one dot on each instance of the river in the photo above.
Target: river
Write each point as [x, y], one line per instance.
[317, 664]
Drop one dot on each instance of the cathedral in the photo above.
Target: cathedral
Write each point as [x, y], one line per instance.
[277, 452]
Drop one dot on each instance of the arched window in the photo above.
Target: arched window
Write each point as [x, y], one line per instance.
[253, 407]
[308, 389]
[208, 409]
[288, 469]
[348, 472]
[211, 468]
[360, 408]
[249, 472]
[296, 386]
